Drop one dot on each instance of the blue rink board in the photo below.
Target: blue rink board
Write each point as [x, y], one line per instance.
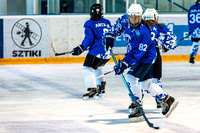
[179, 30]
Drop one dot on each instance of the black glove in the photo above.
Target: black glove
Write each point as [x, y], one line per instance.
[108, 41]
[78, 50]
[120, 67]
[164, 49]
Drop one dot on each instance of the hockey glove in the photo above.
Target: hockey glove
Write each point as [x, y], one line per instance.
[78, 50]
[164, 49]
[108, 41]
[120, 67]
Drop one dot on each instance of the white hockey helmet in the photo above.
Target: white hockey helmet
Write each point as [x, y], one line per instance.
[135, 10]
[150, 14]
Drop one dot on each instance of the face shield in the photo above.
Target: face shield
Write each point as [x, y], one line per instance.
[134, 21]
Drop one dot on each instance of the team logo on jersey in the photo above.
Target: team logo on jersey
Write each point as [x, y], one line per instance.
[124, 21]
[137, 32]
[196, 33]
[26, 33]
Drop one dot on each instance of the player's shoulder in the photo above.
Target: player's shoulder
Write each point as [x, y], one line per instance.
[144, 30]
[105, 20]
[122, 19]
[125, 16]
[192, 8]
[162, 27]
[153, 26]
[143, 27]
[89, 23]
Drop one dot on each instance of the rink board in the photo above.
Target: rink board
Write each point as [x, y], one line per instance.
[66, 31]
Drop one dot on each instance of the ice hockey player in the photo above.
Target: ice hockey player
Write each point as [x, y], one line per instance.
[165, 40]
[96, 57]
[141, 53]
[194, 29]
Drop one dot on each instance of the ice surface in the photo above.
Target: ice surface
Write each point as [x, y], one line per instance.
[48, 98]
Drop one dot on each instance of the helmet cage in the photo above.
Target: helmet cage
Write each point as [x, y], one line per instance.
[136, 24]
[96, 9]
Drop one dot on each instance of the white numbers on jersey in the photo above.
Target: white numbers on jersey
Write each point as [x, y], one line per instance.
[142, 47]
[105, 30]
[195, 18]
[153, 35]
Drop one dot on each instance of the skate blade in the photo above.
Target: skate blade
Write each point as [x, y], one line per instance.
[159, 110]
[136, 119]
[174, 105]
[91, 98]
[101, 96]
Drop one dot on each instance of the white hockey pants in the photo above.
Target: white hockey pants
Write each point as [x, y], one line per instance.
[194, 49]
[146, 86]
[89, 75]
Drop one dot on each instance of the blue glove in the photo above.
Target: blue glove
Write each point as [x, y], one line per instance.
[120, 67]
[108, 41]
[78, 50]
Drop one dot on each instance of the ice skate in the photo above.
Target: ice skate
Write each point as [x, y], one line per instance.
[134, 113]
[93, 94]
[169, 105]
[159, 105]
[101, 89]
[192, 60]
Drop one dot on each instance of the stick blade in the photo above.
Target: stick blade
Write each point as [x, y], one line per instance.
[158, 125]
[100, 76]
[53, 47]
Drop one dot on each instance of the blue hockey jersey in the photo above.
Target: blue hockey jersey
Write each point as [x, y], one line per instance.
[194, 21]
[140, 47]
[94, 31]
[163, 36]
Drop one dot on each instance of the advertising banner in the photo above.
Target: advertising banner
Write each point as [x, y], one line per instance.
[26, 37]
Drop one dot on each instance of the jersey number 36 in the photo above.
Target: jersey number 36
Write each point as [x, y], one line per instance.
[195, 18]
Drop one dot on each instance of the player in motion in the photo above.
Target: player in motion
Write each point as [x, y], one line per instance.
[194, 29]
[165, 40]
[141, 53]
[97, 56]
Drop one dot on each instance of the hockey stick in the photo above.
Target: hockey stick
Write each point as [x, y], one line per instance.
[58, 54]
[155, 126]
[183, 38]
[105, 74]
